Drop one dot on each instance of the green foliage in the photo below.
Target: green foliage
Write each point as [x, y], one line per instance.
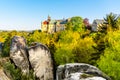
[63, 53]
[63, 56]
[75, 24]
[72, 47]
[16, 74]
[118, 22]
[99, 39]
[111, 21]
[69, 26]
[37, 36]
[3, 36]
[110, 60]
[84, 51]
[75, 44]
[6, 47]
[7, 41]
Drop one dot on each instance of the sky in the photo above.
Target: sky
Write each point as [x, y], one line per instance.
[28, 14]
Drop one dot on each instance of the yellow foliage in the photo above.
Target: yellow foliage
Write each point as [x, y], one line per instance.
[2, 39]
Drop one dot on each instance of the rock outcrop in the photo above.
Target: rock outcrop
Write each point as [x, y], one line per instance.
[79, 71]
[3, 76]
[41, 61]
[18, 54]
[37, 56]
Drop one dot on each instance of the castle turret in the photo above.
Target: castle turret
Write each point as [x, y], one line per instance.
[49, 18]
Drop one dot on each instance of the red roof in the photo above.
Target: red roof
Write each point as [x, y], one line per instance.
[45, 22]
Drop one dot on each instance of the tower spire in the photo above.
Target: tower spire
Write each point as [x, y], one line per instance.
[49, 18]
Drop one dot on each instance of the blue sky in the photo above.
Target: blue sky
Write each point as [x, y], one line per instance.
[28, 14]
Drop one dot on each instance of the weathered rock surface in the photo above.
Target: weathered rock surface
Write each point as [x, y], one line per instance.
[79, 71]
[3, 76]
[83, 76]
[18, 54]
[37, 56]
[41, 61]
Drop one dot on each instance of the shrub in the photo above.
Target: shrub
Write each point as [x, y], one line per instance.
[16, 74]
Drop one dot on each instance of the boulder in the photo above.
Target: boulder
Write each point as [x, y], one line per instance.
[41, 61]
[18, 54]
[79, 71]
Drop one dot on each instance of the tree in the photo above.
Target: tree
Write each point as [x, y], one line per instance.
[67, 41]
[84, 51]
[111, 21]
[109, 61]
[87, 24]
[68, 26]
[75, 24]
[118, 22]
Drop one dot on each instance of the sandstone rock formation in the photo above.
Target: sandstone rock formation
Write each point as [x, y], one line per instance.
[79, 71]
[18, 53]
[41, 61]
[3, 76]
[37, 56]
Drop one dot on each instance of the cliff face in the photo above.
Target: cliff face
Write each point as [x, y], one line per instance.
[41, 62]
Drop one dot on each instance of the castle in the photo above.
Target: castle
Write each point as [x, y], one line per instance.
[52, 26]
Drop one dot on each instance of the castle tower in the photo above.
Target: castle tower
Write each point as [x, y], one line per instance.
[48, 21]
[49, 18]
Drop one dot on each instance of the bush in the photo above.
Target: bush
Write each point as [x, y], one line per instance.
[16, 74]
